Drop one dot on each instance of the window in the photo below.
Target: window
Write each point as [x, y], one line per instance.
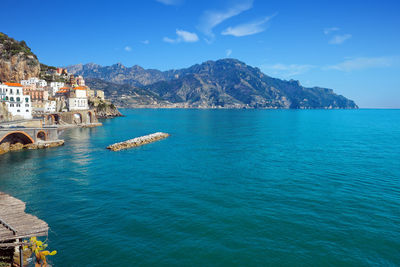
[18, 110]
[18, 99]
[27, 105]
[11, 98]
[27, 110]
[27, 100]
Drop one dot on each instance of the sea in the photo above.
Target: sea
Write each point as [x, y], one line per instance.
[227, 188]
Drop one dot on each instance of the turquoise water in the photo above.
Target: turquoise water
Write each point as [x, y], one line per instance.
[229, 187]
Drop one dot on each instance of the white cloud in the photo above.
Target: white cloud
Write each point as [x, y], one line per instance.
[228, 52]
[182, 36]
[169, 40]
[362, 63]
[128, 48]
[340, 39]
[212, 18]
[287, 70]
[185, 36]
[146, 42]
[248, 28]
[330, 30]
[170, 2]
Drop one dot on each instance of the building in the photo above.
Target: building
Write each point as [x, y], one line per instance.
[55, 87]
[100, 94]
[50, 106]
[34, 81]
[78, 99]
[80, 81]
[75, 98]
[18, 104]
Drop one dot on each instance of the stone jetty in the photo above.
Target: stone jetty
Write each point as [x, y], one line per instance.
[138, 141]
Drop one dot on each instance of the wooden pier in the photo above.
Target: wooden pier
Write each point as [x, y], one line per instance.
[16, 225]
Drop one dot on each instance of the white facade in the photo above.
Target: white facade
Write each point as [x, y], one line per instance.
[18, 104]
[35, 81]
[50, 107]
[78, 104]
[55, 87]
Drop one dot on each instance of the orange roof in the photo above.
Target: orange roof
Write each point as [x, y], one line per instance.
[64, 88]
[13, 84]
[80, 88]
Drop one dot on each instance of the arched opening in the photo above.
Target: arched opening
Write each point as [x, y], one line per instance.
[89, 117]
[56, 118]
[17, 137]
[77, 118]
[50, 120]
[41, 136]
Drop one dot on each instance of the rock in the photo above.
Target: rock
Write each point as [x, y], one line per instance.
[4, 148]
[17, 62]
[16, 146]
[138, 141]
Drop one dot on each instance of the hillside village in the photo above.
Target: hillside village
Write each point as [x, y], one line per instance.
[34, 97]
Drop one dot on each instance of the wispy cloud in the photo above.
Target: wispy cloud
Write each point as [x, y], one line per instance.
[330, 30]
[248, 28]
[212, 18]
[362, 63]
[287, 70]
[170, 2]
[340, 39]
[182, 36]
[128, 48]
[146, 42]
[228, 52]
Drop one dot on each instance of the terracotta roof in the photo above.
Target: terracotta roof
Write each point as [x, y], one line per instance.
[13, 84]
[80, 88]
[64, 88]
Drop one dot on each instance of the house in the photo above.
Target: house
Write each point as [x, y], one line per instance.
[100, 94]
[18, 104]
[55, 87]
[78, 99]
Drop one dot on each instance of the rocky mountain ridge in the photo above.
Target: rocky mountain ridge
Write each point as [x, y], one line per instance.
[225, 83]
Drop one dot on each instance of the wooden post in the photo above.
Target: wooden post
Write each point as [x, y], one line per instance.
[21, 255]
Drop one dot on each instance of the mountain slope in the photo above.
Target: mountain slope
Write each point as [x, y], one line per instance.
[225, 83]
[118, 73]
[17, 62]
[125, 95]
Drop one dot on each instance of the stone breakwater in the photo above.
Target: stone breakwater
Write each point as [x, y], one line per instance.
[7, 147]
[138, 141]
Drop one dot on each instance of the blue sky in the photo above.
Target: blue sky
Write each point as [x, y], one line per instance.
[352, 47]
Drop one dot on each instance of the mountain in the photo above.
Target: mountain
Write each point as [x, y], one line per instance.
[225, 83]
[118, 73]
[125, 95]
[17, 62]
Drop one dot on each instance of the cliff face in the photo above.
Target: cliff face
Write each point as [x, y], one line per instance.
[17, 62]
[104, 109]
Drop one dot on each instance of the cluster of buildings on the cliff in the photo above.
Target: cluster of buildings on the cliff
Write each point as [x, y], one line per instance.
[34, 96]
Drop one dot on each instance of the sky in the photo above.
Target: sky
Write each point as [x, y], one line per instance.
[350, 46]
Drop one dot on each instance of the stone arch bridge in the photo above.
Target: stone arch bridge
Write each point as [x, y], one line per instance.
[26, 135]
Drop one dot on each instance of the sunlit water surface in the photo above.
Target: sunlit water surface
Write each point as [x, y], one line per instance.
[229, 187]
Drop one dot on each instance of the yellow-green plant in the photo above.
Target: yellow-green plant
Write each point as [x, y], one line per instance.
[38, 247]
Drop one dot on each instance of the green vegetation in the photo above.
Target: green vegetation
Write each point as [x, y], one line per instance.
[10, 47]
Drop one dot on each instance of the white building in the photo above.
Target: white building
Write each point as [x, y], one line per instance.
[18, 104]
[50, 106]
[78, 100]
[55, 87]
[34, 81]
